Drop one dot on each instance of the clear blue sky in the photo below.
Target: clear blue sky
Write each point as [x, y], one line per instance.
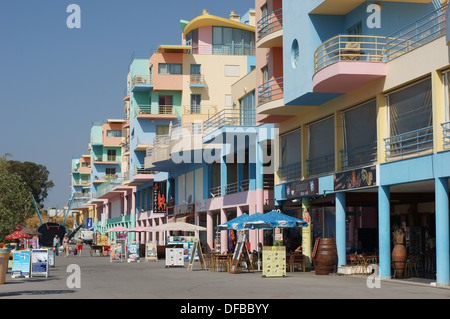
[56, 81]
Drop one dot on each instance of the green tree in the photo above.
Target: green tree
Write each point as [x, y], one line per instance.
[15, 199]
[35, 176]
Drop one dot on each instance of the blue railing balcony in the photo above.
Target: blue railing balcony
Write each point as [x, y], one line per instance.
[290, 172]
[417, 33]
[446, 134]
[230, 117]
[359, 156]
[320, 165]
[410, 144]
[270, 23]
[270, 91]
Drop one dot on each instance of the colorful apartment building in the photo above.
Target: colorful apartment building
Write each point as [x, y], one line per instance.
[359, 92]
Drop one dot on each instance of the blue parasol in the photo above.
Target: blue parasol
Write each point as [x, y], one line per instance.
[235, 223]
[279, 220]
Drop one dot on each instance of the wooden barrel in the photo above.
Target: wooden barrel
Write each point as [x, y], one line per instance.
[326, 257]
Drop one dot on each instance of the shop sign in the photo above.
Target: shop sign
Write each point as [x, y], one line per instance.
[297, 189]
[159, 197]
[357, 178]
[184, 209]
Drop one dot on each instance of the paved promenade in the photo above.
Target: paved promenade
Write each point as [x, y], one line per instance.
[99, 278]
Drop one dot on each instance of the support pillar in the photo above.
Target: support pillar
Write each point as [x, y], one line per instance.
[384, 232]
[340, 229]
[210, 230]
[306, 233]
[442, 233]
[223, 233]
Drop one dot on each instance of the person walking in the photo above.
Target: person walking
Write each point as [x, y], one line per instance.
[56, 245]
[66, 245]
[79, 245]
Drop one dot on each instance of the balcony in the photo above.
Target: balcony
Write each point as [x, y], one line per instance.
[320, 165]
[417, 33]
[141, 83]
[197, 81]
[290, 172]
[223, 49]
[126, 94]
[446, 135]
[156, 112]
[143, 142]
[359, 156]
[271, 91]
[411, 144]
[229, 117]
[270, 30]
[348, 62]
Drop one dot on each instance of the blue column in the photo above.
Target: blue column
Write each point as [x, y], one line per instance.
[442, 232]
[384, 231]
[340, 228]
[259, 177]
[223, 174]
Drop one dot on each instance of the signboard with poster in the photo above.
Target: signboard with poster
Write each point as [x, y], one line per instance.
[39, 262]
[274, 261]
[133, 253]
[357, 178]
[151, 252]
[309, 187]
[159, 197]
[21, 263]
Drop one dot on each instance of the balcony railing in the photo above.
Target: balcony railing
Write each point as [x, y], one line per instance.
[271, 90]
[158, 109]
[446, 134]
[409, 144]
[417, 33]
[350, 48]
[161, 141]
[141, 79]
[197, 79]
[140, 169]
[363, 155]
[320, 165]
[223, 49]
[270, 23]
[200, 109]
[290, 172]
[215, 191]
[230, 117]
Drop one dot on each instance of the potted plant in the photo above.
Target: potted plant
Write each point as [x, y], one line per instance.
[399, 252]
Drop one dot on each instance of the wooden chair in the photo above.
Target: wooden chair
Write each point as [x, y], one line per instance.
[297, 260]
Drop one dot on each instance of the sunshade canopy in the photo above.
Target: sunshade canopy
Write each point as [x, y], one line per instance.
[235, 223]
[179, 226]
[117, 229]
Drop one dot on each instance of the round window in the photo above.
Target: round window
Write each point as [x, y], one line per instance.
[294, 53]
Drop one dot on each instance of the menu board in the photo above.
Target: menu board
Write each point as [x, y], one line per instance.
[151, 252]
[274, 261]
[115, 252]
[174, 257]
[133, 253]
[21, 264]
[39, 262]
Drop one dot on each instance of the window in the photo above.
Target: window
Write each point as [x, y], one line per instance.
[232, 41]
[195, 103]
[170, 68]
[165, 104]
[196, 69]
[359, 128]
[232, 70]
[321, 146]
[247, 109]
[265, 74]
[114, 133]
[295, 52]
[111, 155]
[162, 129]
[110, 172]
[290, 156]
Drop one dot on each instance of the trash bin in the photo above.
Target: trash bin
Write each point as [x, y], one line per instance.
[4, 258]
